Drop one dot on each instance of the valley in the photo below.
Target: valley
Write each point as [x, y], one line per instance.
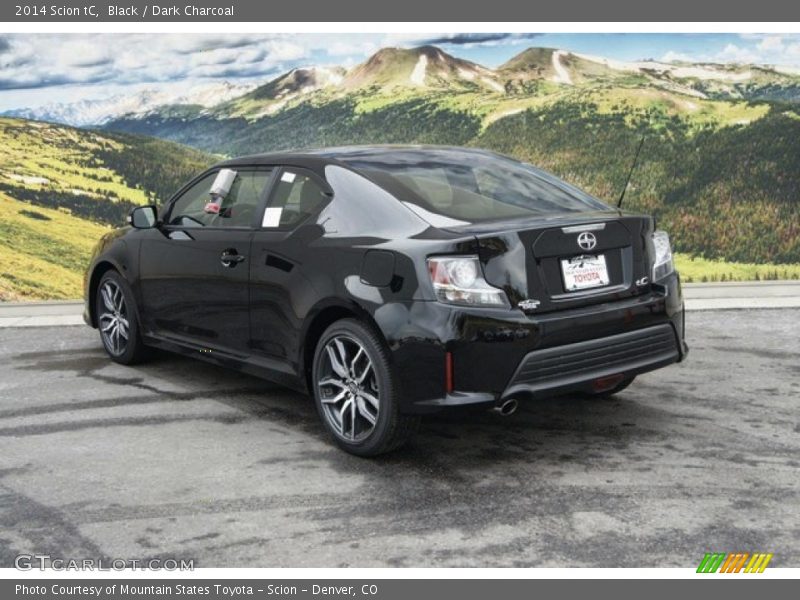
[719, 166]
[61, 188]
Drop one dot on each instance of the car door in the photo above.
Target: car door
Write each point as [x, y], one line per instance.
[194, 271]
[280, 291]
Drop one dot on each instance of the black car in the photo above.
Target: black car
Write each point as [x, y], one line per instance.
[391, 282]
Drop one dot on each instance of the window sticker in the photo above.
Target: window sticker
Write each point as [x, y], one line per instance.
[272, 216]
[288, 176]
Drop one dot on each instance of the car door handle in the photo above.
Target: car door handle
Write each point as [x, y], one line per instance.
[231, 258]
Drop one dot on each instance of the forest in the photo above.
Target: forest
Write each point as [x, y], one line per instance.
[727, 192]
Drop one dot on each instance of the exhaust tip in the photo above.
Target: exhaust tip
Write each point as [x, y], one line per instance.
[506, 408]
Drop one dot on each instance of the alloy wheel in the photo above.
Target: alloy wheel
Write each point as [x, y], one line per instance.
[348, 388]
[113, 318]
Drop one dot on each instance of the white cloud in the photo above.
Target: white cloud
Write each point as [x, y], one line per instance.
[351, 47]
[793, 51]
[45, 60]
[52, 63]
[672, 56]
[737, 54]
[760, 49]
[284, 50]
[771, 43]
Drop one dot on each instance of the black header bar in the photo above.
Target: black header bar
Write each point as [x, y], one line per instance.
[443, 11]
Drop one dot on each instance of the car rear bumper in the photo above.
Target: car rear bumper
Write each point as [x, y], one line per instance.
[499, 354]
[572, 367]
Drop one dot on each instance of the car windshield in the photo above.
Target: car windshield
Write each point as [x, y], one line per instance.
[452, 186]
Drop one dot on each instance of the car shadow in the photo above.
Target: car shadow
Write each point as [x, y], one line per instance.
[559, 430]
[562, 429]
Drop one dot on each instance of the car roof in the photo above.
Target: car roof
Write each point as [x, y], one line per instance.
[343, 154]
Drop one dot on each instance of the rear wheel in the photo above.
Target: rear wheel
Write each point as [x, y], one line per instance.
[117, 320]
[356, 391]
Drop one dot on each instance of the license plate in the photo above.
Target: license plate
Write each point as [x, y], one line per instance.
[584, 272]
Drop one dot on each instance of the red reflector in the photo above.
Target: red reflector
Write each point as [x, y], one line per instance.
[606, 383]
[448, 372]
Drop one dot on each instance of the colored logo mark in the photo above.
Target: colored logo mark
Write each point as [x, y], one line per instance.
[735, 562]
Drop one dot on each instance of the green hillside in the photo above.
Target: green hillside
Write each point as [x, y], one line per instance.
[62, 188]
[719, 168]
[729, 192]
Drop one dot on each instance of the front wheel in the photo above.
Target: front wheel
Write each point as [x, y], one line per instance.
[356, 391]
[117, 320]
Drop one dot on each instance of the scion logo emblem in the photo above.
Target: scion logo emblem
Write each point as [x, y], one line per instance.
[586, 240]
[529, 304]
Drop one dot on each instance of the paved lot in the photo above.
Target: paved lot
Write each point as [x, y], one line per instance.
[179, 459]
[697, 296]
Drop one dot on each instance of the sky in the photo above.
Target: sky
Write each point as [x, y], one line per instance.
[39, 69]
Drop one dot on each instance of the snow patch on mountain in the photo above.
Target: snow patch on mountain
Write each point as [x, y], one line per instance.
[99, 111]
[617, 65]
[493, 84]
[333, 76]
[679, 71]
[785, 70]
[710, 74]
[418, 74]
[28, 180]
[562, 75]
[466, 74]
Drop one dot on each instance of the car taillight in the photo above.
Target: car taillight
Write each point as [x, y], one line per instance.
[662, 260]
[459, 280]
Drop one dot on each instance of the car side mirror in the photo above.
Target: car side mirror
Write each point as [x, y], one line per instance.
[143, 217]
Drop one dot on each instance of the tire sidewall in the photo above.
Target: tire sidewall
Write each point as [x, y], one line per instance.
[376, 352]
[132, 346]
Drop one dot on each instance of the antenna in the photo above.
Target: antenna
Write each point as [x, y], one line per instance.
[628, 180]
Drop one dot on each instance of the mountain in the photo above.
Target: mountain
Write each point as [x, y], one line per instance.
[421, 68]
[96, 112]
[62, 188]
[703, 80]
[556, 66]
[277, 93]
[719, 167]
[401, 73]
[389, 71]
[532, 77]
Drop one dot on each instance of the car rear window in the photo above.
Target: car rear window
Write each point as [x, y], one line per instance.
[470, 186]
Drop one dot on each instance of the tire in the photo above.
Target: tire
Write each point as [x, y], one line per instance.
[117, 320]
[615, 390]
[356, 392]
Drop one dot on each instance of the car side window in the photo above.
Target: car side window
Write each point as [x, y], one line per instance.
[197, 207]
[296, 196]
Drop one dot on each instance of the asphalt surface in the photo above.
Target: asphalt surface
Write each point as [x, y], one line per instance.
[183, 460]
[697, 296]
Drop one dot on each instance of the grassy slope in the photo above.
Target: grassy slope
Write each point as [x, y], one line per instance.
[42, 157]
[724, 192]
[61, 188]
[720, 175]
[43, 251]
[698, 270]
